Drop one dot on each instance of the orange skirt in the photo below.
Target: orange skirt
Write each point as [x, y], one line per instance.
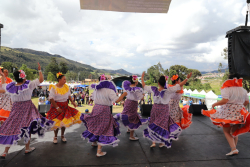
[229, 114]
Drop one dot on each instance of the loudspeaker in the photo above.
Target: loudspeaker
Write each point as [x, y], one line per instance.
[146, 109]
[195, 109]
[239, 51]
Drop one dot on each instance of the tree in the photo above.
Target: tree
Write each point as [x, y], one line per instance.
[63, 67]
[51, 77]
[155, 72]
[9, 66]
[224, 53]
[52, 67]
[70, 75]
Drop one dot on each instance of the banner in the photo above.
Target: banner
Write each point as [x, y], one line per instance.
[140, 6]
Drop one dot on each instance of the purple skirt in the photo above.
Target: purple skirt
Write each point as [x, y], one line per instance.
[101, 126]
[162, 128]
[129, 116]
[23, 121]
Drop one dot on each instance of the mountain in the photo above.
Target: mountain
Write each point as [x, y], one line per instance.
[29, 57]
[215, 71]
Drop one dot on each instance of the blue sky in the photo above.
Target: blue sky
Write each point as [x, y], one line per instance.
[192, 33]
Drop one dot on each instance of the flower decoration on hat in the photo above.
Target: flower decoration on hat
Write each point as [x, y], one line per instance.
[1, 67]
[58, 74]
[174, 77]
[134, 78]
[22, 74]
[166, 77]
[102, 77]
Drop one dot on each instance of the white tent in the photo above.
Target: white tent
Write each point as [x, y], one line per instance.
[195, 92]
[203, 92]
[45, 84]
[189, 91]
[211, 98]
[185, 90]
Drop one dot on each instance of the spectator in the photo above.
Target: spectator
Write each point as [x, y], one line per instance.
[184, 102]
[83, 96]
[200, 103]
[91, 100]
[47, 101]
[149, 101]
[87, 98]
[190, 102]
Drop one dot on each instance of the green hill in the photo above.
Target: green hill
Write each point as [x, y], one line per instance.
[30, 57]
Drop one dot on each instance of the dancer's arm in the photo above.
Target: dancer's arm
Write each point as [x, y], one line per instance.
[72, 102]
[2, 77]
[40, 73]
[55, 105]
[246, 103]
[142, 79]
[121, 97]
[219, 103]
[185, 80]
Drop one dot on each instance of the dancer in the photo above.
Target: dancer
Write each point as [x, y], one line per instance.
[5, 100]
[63, 115]
[102, 128]
[232, 112]
[24, 118]
[129, 116]
[180, 116]
[162, 128]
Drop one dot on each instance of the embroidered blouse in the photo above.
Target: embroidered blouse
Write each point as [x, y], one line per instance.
[104, 93]
[22, 92]
[59, 94]
[133, 93]
[164, 96]
[233, 91]
[176, 96]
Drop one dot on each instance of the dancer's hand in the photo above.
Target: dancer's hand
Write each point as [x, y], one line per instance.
[1, 73]
[74, 104]
[143, 74]
[59, 110]
[189, 75]
[213, 106]
[39, 67]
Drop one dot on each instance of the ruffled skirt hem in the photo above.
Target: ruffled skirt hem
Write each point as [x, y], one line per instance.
[38, 126]
[131, 126]
[67, 122]
[159, 135]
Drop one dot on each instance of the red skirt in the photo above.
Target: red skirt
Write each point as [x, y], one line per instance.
[66, 118]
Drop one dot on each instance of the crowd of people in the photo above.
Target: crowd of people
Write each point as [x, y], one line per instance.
[167, 119]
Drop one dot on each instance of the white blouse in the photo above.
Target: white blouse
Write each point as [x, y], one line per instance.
[176, 96]
[104, 96]
[235, 95]
[25, 94]
[135, 95]
[58, 97]
[167, 95]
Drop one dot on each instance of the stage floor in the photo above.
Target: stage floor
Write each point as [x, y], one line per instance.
[203, 144]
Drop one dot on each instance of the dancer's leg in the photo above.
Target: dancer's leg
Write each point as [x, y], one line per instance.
[234, 128]
[62, 133]
[229, 137]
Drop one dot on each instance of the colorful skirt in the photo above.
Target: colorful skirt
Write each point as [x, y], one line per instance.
[227, 115]
[180, 116]
[66, 118]
[5, 106]
[162, 128]
[129, 116]
[101, 126]
[23, 121]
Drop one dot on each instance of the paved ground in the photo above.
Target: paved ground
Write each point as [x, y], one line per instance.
[201, 145]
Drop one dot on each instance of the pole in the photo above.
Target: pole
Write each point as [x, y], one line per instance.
[1, 26]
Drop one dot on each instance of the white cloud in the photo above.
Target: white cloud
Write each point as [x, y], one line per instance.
[191, 34]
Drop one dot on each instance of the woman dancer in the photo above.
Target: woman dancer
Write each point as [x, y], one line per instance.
[63, 115]
[232, 112]
[162, 128]
[180, 116]
[24, 118]
[129, 116]
[5, 100]
[102, 128]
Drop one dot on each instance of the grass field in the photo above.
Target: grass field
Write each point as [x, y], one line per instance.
[215, 84]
